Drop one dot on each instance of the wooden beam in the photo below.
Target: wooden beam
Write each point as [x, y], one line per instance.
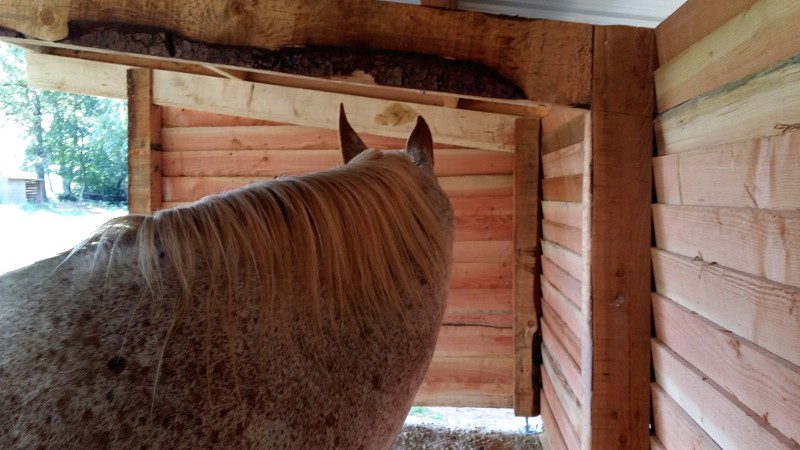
[312, 108]
[526, 296]
[733, 363]
[56, 70]
[550, 60]
[764, 243]
[621, 173]
[144, 155]
[756, 39]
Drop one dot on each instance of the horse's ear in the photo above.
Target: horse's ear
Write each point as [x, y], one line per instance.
[349, 142]
[420, 144]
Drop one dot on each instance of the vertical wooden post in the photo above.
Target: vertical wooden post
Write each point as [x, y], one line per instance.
[622, 143]
[526, 228]
[144, 155]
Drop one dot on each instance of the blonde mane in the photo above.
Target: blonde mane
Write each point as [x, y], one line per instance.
[351, 246]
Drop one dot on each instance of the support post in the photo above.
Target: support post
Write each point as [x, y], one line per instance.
[144, 148]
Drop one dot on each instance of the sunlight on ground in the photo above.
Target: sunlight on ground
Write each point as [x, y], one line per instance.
[30, 234]
[483, 419]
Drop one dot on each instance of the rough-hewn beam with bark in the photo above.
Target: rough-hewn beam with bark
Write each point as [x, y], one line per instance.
[550, 61]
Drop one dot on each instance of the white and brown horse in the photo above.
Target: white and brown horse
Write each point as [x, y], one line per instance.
[297, 313]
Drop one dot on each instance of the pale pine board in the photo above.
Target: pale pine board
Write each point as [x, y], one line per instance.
[691, 22]
[481, 276]
[722, 417]
[231, 163]
[761, 311]
[673, 427]
[189, 189]
[755, 173]
[761, 105]
[482, 251]
[485, 307]
[561, 331]
[564, 235]
[566, 311]
[768, 385]
[565, 283]
[474, 342]
[567, 188]
[468, 382]
[569, 402]
[564, 258]
[755, 39]
[764, 243]
[567, 213]
[552, 433]
[561, 358]
[559, 415]
[563, 162]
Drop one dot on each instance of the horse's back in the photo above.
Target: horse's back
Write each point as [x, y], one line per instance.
[82, 366]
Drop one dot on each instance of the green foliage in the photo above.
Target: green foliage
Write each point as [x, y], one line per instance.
[82, 139]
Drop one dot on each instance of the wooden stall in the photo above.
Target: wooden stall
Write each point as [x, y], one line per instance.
[726, 264]
[551, 308]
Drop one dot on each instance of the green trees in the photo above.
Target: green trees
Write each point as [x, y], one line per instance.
[82, 139]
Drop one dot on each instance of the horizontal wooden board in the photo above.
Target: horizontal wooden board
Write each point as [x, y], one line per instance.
[319, 109]
[484, 228]
[720, 414]
[474, 342]
[673, 427]
[561, 331]
[765, 104]
[482, 206]
[756, 173]
[274, 137]
[478, 186]
[567, 398]
[692, 21]
[563, 162]
[182, 117]
[564, 235]
[189, 189]
[757, 38]
[557, 406]
[764, 243]
[563, 189]
[552, 436]
[562, 280]
[564, 258]
[563, 127]
[761, 311]
[768, 385]
[481, 276]
[560, 357]
[485, 381]
[482, 251]
[566, 213]
[233, 163]
[483, 307]
[566, 311]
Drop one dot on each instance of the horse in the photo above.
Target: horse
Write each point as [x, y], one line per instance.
[297, 313]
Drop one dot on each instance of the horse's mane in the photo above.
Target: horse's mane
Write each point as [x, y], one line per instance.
[352, 245]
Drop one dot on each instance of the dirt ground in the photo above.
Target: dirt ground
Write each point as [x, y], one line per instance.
[467, 429]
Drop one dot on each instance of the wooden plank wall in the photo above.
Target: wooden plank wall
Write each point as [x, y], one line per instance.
[726, 350]
[565, 308]
[474, 362]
